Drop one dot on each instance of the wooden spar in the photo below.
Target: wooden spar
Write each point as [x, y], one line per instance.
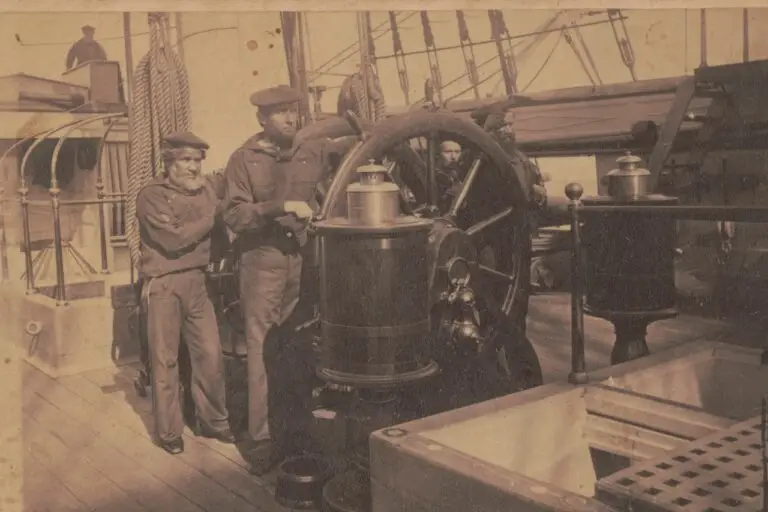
[573, 94]
[180, 36]
[703, 39]
[583, 120]
[365, 61]
[128, 56]
[301, 68]
[292, 23]
[745, 43]
[498, 31]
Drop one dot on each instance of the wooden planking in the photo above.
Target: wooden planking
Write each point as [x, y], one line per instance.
[627, 440]
[120, 380]
[44, 493]
[75, 471]
[124, 472]
[113, 390]
[175, 472]
[680, 421]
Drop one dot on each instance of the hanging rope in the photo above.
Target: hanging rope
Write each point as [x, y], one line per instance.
[587, 52]
[361, 92]
[397, 51]
[468, 52]
[160, 105]
[356, 95]
[432, 55]
[500, 34]
[569, 39]
[624, 43]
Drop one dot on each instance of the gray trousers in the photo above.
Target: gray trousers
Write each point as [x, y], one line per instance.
[178, 304]
[269, 293]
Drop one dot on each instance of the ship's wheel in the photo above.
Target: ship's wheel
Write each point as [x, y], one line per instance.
[481, 219]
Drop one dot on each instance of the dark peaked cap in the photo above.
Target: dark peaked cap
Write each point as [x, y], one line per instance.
[87, 28]
[184, 140]
[279, 95]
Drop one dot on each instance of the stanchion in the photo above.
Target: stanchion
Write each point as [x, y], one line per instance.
[578, 373]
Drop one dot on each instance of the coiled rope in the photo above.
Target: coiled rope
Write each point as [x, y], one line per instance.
[160, 105]
[364, 99]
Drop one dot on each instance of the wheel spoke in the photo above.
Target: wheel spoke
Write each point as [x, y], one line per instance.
[394, 174]
[432, 191]
[465, 187]
[490, 221]
[500, 276]
[409, 159]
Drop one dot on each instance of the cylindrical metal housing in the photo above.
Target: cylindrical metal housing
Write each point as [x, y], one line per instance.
[373, 200]
[629, 258]
[374, 302]
[629, 181]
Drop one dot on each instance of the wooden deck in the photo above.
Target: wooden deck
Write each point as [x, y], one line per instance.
[87, 447]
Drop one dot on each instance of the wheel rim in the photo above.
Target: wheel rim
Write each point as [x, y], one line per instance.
[490, 204]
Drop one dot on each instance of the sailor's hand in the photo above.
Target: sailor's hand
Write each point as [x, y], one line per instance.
[299, 208]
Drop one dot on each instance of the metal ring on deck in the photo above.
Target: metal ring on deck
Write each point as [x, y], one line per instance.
[378, 381]
[330, 329]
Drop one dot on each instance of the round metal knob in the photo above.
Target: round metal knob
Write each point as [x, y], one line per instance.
[574, 191]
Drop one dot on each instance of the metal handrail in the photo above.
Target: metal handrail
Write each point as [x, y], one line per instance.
[24, 190]
[60, 293]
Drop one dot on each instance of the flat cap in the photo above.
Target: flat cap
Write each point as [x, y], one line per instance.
[279, 95]
[184, 140]
[87, 28]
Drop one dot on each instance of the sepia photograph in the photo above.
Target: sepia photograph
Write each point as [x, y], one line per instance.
[443, 260]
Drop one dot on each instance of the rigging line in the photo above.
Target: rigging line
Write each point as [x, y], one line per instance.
[463, 75]
[69, 42]
[510, 38]
[685, 57]
[480, 82]
[622, 41]
[351, 46]
[507, 62]
[588, 53]
[433, 55]
[308, 42]
[569, 39]
[482, 64]
[541, 35]
[355, 49]
[400, 62]
[496, 85]
[468, 52]
[544, 64]
[172, 27]
[520, 57]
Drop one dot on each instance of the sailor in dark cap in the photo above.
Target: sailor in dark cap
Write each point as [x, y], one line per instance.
[270, 195]
[86, 49]
[176, 214]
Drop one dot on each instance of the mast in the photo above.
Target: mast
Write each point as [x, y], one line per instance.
[128, 88]
[499, 32]
[703, 40]
[365, 59]
[180, 37]
[293, 40]
[745, 43]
